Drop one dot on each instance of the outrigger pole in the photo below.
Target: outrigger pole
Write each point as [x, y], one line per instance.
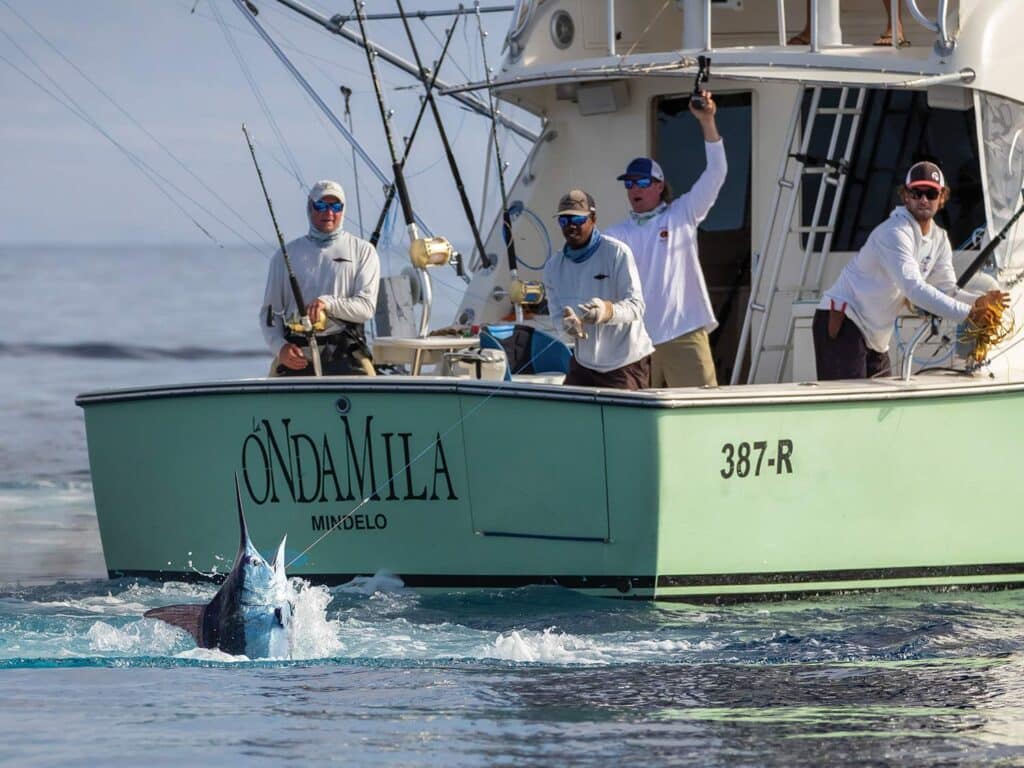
[320, 102]
[389, 198]
[422, 252]
[452, 164]
[506, 217]
[307, 325]
[335, 25]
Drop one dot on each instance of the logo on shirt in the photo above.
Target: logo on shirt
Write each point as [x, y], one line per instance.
[663, 234]
[601, 277]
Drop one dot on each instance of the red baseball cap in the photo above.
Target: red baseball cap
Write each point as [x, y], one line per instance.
[925, 174]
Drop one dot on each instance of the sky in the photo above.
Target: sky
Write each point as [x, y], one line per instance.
[122, 120]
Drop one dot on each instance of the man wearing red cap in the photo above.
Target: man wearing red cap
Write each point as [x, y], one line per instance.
[906, 257]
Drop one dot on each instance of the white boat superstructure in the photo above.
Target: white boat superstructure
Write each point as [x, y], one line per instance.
[816, 137]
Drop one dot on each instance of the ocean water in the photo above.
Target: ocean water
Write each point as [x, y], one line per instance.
[382, 675]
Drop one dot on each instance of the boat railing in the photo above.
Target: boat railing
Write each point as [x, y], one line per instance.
[824, 24]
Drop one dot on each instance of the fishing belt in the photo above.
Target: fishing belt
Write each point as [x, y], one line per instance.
[340, 352]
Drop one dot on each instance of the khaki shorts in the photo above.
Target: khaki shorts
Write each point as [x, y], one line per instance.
[684, 362]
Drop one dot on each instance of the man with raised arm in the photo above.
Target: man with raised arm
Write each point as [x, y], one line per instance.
[906, 258]
[662, 234]
[594, 291]
[341, 273]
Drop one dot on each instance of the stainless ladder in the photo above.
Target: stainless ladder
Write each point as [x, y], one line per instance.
[795, 165]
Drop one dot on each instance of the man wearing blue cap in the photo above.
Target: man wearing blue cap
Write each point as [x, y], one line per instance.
[662, 233]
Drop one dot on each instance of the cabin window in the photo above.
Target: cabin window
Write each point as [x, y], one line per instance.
[897, 129]
[724, 236]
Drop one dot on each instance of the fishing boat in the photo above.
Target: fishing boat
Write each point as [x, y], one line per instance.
[773, 485]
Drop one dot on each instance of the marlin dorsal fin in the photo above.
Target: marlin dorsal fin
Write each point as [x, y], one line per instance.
[243, 530]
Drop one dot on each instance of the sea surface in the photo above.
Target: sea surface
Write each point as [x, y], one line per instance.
[384, 676]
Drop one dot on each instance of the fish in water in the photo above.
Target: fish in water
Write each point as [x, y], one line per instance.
[251, 613]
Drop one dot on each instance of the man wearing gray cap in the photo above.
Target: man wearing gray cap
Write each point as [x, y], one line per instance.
[341, 272]
[594, 291]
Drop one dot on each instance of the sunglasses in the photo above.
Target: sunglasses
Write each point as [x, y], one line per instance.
[321, 206]
[643, 183]
[577, 221]
[917, 193]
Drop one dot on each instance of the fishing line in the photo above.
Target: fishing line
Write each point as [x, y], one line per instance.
[139, 163]
[297, 51]
[458, 423]
[332, 135]
[254, 87]
[137, 124]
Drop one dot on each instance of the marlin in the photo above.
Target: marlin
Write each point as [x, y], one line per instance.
[250, 614]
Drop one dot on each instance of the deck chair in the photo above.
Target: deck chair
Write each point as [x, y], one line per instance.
[527, 350]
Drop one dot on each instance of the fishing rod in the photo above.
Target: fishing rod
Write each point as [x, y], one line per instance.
[452, 164]
[335, 25]
[346, 94]
[506, 218]
[988, 250]
[307, 325]
[422, 252]
[390, 196]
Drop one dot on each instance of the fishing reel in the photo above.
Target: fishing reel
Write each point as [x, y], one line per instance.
[431, 252]
[295, 325]
[526, 292]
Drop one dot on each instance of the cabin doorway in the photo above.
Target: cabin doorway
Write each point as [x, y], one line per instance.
[724, 236]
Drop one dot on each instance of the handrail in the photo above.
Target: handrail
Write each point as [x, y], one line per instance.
[611, 27]
[945, 42]
[944, 45]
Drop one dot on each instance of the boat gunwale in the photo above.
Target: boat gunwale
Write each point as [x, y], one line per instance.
[881, 390]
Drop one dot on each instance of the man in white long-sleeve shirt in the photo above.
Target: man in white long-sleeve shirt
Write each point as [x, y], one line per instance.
[593, 288]
[338, 275]
[906, 257]
[662, 233]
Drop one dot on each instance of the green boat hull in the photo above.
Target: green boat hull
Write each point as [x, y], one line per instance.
[737, 494]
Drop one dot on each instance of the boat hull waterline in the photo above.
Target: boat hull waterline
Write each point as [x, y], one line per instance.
[781, 492]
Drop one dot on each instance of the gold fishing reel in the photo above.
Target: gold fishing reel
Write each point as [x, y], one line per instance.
[430, 252]
[294, 323]
[526, 292]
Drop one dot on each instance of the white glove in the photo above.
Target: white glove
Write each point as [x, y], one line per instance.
[596, 311]
[571, 324]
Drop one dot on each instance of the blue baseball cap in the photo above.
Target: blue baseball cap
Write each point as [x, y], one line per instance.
[640, 167]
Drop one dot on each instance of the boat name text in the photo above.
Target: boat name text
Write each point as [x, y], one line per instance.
[740, 459]
[332, 523]
[376, 466]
